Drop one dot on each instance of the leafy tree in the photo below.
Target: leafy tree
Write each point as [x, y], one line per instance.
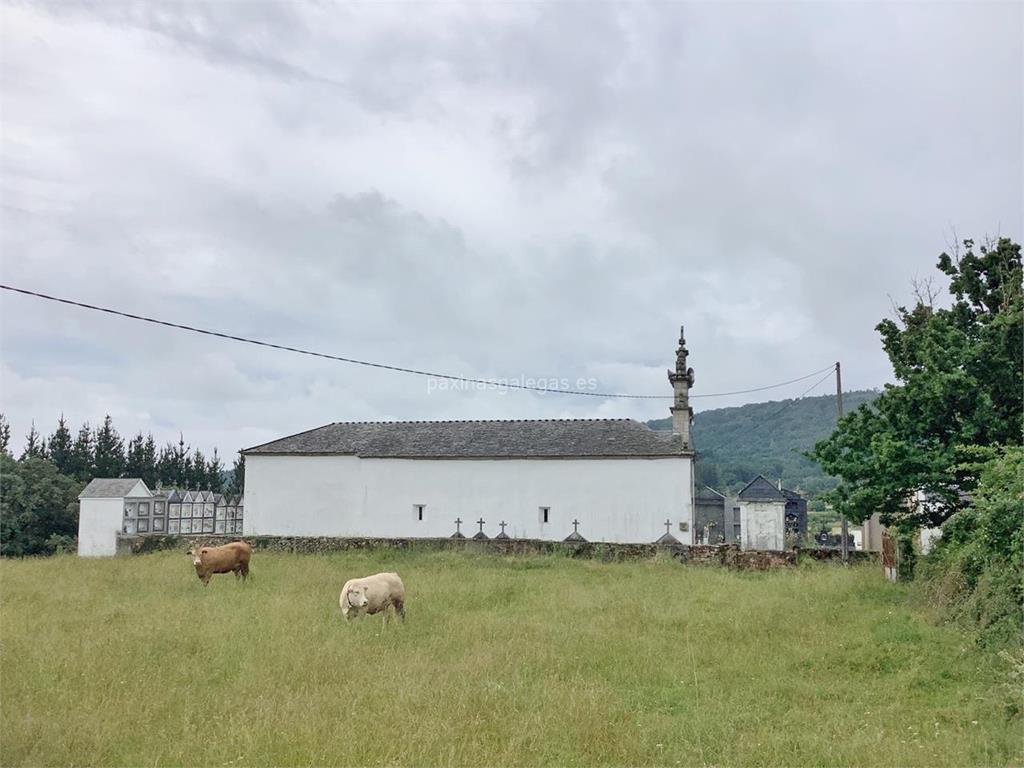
[60, 447]
[35, 446]
[82, 463]
[5, 436]
[38, 507]
[960, 377]
[109, 452]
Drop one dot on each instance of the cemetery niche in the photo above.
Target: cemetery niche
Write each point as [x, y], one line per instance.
[183, 513]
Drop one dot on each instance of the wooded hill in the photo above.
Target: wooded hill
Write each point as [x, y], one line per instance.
[736, 444]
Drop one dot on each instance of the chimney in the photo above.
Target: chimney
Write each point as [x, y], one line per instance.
[780, 483]
[682, 379]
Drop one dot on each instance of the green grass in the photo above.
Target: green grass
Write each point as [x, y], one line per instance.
[529, 661]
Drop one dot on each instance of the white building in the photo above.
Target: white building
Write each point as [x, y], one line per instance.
[617, 480]
[102, 509]
[762, 515]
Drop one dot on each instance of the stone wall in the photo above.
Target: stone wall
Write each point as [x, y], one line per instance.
[724, 555]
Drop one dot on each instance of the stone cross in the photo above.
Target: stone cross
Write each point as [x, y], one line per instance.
[575, 526]
[480, 522]
[668, 526]
[458, 522]
[502, 524]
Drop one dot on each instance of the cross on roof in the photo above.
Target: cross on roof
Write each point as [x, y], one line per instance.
[458, 522]
[575, 526]
[481, 522]
[502, 524]
[668, 526]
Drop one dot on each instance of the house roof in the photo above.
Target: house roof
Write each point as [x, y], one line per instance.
[761, 489]
[543, 438]
[109, 487]
[707, 493]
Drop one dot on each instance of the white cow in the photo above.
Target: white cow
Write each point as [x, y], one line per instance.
[373, 594]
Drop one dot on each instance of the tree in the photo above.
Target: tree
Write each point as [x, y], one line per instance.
[197, 471]
[214, 468]
[60, 447]
[149, 461]
[38, 507]
[237, 486]
[35, 446]
[134, 459]
[960, 375]
[109, 456]
[5, 436]
[82, 464]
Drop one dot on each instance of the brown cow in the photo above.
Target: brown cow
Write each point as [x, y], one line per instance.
[224, 559]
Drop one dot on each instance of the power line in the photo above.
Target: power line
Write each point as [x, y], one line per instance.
[789, 403]
[384, 366]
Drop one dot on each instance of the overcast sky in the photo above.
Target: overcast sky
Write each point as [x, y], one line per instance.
[493, 190]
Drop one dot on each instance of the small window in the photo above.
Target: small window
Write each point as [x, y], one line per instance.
[158, 524]
[736, 531]
[174, 509]
[545, 514]
[143, 526]
[158, 507]
[143, 509]
[418, 510]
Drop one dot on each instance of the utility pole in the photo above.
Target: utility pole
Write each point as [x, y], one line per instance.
[844, 546]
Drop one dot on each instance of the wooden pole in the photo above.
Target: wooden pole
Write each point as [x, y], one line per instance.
[844, 545]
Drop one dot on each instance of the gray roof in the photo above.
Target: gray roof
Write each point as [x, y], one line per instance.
[109, 487]
[761, 489]
[543, 438]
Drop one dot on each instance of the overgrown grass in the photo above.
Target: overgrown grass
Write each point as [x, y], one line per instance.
[529, 661]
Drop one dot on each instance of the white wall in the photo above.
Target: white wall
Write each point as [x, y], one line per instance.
[762, 525]
[615, 500]
[99, 523]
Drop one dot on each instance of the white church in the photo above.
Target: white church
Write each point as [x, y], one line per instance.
[609, 480]
[605, 480]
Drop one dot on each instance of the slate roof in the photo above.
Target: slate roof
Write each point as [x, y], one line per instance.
[109, 487]
[542, 438]
[761, 489]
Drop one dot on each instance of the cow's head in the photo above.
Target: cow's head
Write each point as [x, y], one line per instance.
[196, 553]
[356, 596]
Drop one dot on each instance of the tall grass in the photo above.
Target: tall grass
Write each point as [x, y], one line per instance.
[528, 661]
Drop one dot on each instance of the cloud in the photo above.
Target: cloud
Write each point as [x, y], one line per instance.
[501, 191]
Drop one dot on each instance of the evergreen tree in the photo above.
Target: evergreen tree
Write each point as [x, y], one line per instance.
[61, 447]
[109, 455]
[237, 486]
[197, 471]
[149, 461]
[82, 464]
[134, 460]
[173, 464]
[5, 436]
[214, 467]
[35, 446]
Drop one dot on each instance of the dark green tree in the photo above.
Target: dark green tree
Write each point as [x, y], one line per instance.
[5, 436]
[237, 485]
[134, 457]
[197, 471]
[35, 446]
[960, 376]
[214, 468]
[38, 507]
[109, 451]
[149, 462]
[60, 447]
[82, 463]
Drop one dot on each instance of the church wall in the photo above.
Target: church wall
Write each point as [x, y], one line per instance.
[615, 500]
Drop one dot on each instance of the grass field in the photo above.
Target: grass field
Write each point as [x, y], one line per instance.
[530, 661]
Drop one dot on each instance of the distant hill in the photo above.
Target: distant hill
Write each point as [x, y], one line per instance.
[736, 444]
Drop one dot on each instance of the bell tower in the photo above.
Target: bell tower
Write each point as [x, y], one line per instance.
[682, 379]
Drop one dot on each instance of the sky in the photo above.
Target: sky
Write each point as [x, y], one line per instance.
[515, 191]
